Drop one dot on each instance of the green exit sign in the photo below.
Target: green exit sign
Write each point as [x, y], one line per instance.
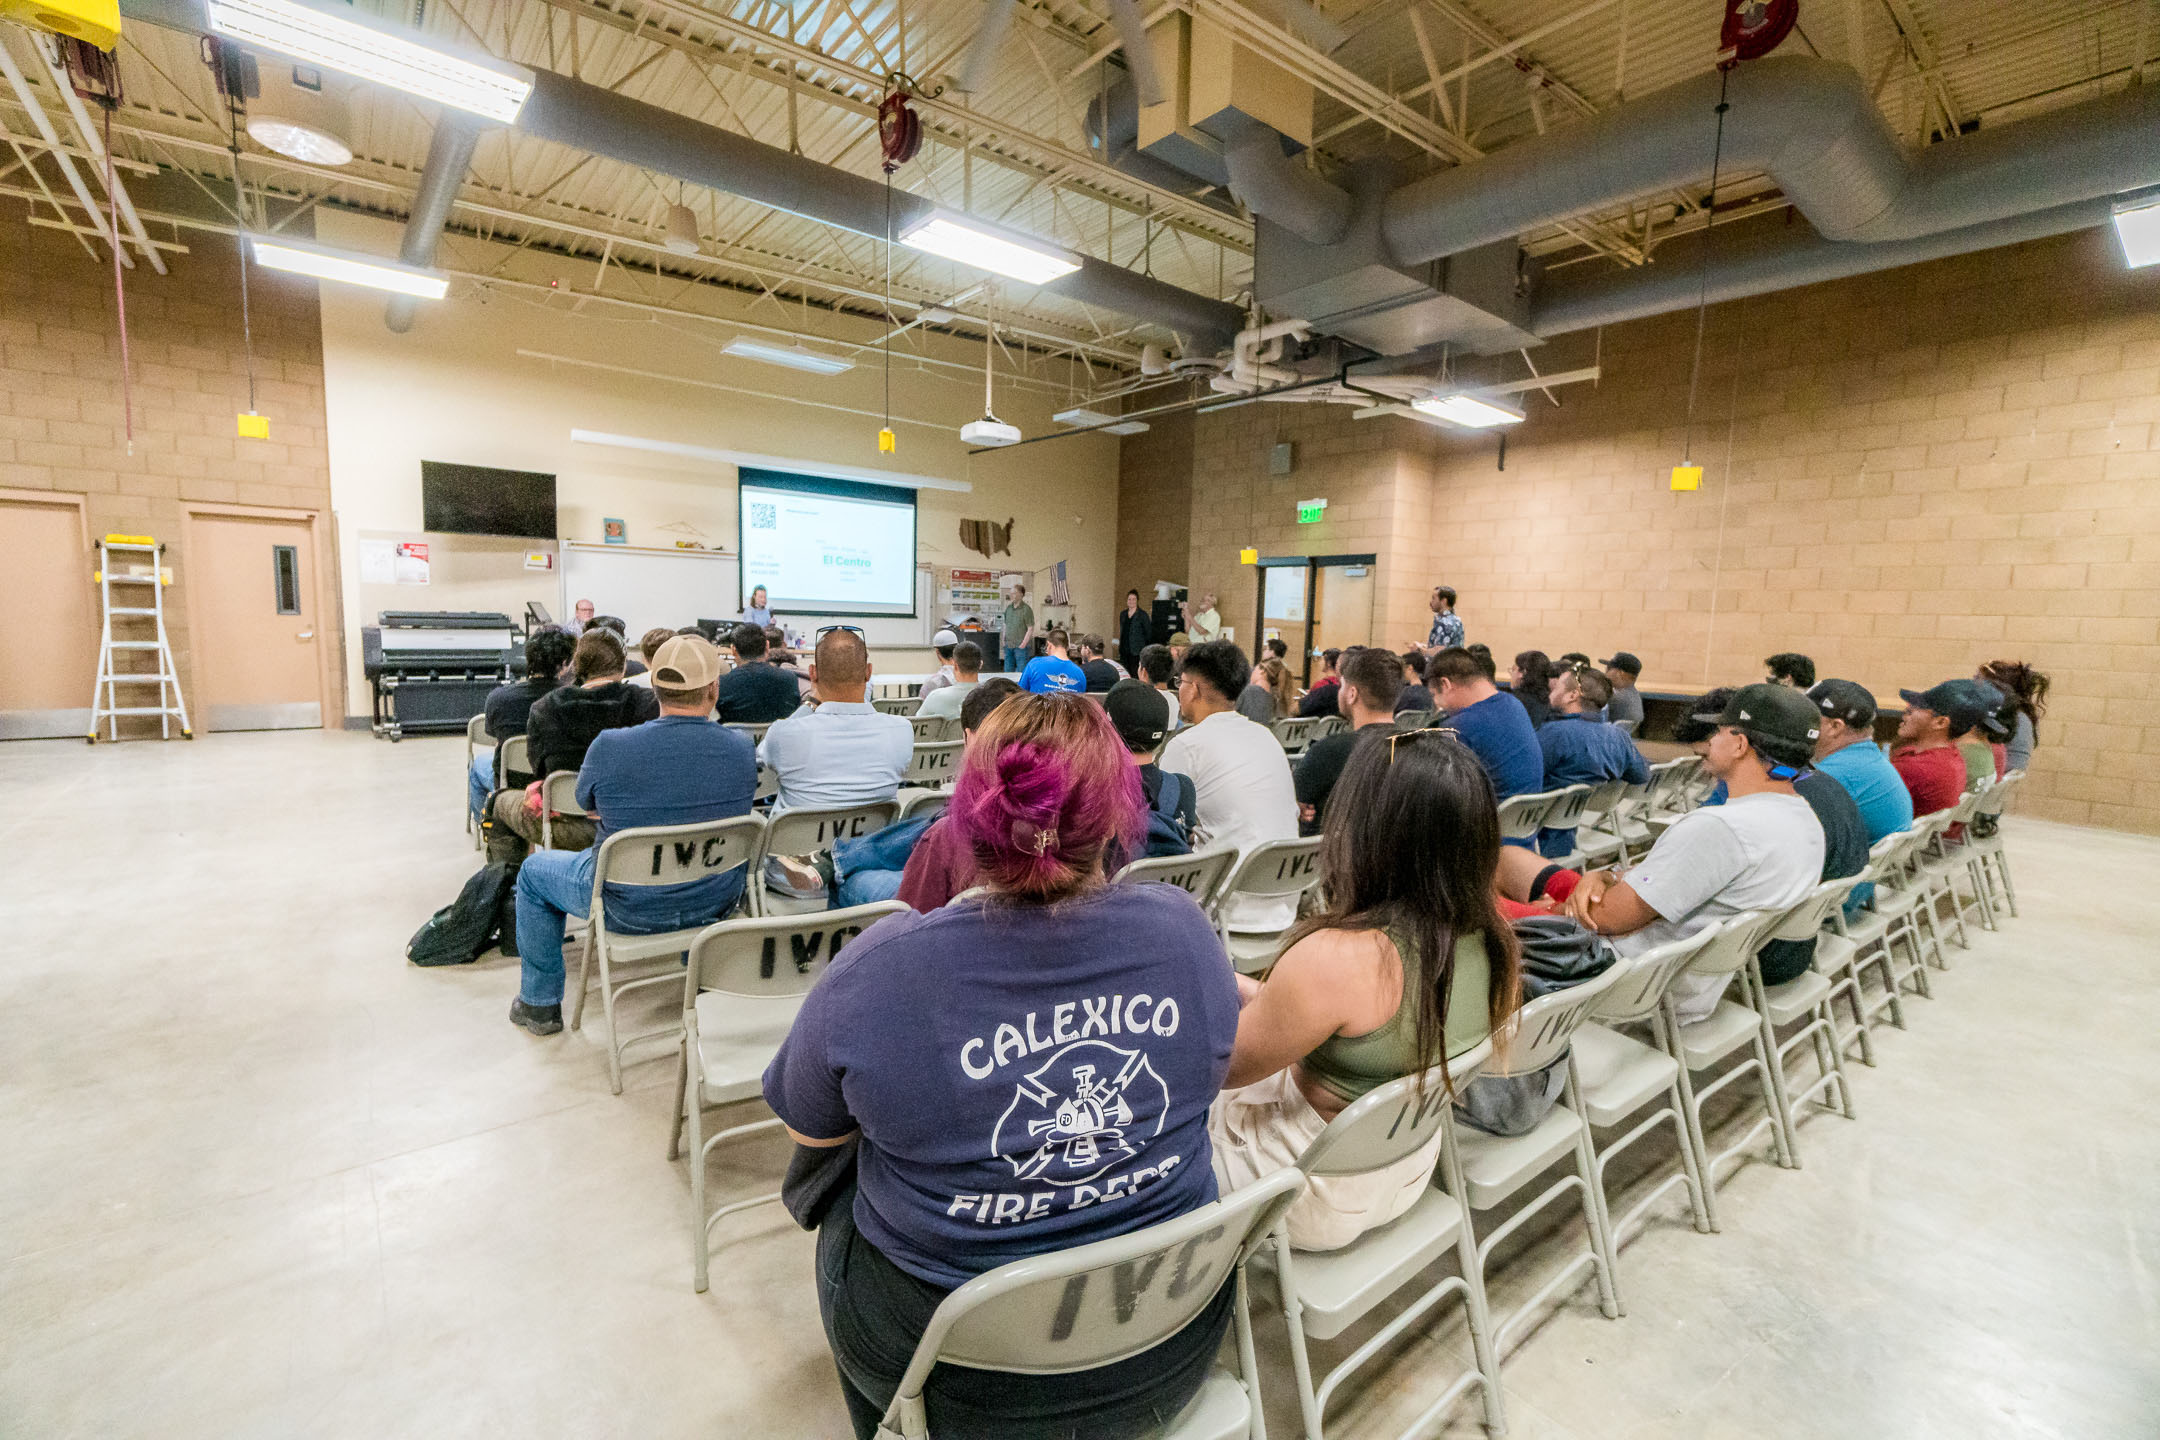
[1311, 512]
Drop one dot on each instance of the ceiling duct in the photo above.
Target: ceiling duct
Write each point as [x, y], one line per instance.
[450, 151]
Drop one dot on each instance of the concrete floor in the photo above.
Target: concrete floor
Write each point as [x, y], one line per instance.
[263, 1179]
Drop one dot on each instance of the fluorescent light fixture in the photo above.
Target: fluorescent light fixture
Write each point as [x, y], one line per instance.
[347, 268]
[2137, 223]
[1000, 252]
[795, 357]
[1108, 424]
[1469, 411]
[352, 45]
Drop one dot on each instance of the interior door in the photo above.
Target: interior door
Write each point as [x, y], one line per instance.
[1343, 605]
[255, 633]
[52, 645]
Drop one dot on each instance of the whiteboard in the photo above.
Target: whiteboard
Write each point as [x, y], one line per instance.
[648, 588]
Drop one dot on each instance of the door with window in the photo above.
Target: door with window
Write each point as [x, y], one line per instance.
[254, 635]
[1316, 603]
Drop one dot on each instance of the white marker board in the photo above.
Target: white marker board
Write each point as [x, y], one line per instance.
[646, 587]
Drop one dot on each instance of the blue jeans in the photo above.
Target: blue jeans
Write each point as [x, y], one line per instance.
[1015, 659]
[551, 885]
[479, 782]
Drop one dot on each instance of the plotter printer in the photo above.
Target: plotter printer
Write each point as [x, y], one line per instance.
[432, 669]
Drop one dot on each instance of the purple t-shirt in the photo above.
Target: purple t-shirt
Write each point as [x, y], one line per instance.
[1025, 1078]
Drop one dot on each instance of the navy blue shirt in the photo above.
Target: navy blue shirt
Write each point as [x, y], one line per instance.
[1499, 732]
[676, 770]
[1584, 750]
[1025, 1078]
[756, 693]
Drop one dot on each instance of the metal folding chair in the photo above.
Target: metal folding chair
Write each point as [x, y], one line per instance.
[558, 796]
[1806, 997]
[1989, 858]
[1522, 816]
[809, 832]
[1727, 1029]
[646, 857]
[1097, 1304]
[933, 763]
[914, 804]
[897, 704]
[1273, 869]
[738, 1002]
[476, 738]
[929, 729]
[1199, 874]
[1295, 732]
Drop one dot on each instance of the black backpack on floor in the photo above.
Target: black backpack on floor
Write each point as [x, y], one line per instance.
[457, 933]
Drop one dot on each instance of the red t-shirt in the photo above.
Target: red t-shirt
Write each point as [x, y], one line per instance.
[939, 867]
[1935, 777]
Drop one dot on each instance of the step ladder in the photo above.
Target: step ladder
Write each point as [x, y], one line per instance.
[112, 681]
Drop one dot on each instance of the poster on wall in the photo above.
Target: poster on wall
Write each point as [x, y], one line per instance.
[614, 532]
[412, 563]
[378, 562]
[1285, 598]
[973, 592]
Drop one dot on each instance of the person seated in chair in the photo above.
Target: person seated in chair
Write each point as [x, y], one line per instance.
[676, 769]
[509, 707]
[1044, 790]
[1489, 721]
[1581, 748]
[756, 691]
[1053, 671]
[944, 702]
[839, 750]
[1241, 778]
[1371, 681]
[1409, 964]
[559, 729]
[920, 862]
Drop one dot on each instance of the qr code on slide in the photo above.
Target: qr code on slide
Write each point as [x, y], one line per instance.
[764, 517]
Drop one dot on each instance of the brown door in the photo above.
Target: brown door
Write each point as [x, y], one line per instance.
[52, 646]
[1342, 606]
[254, 633]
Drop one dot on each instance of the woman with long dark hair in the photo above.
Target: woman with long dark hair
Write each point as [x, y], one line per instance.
[1533, 677]
[1028, 1068]
[2029, 688]
[1410, 963]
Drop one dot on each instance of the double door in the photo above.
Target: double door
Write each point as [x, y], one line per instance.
[1317, 603]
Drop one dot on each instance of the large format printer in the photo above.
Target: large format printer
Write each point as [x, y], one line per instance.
[431, 670]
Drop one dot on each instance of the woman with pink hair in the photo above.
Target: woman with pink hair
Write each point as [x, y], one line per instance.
[1027, 1068]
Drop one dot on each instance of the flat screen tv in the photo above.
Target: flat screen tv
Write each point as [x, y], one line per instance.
[477, 500]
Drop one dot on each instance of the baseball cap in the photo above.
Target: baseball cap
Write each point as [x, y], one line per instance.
[1140, 712]
[1776, 712]
[944, 639]
[1964, 702]
[687, 662]
[1622, 660]
[1845, 700]
[1179, 637]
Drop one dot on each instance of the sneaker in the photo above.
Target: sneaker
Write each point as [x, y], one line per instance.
[540, 1019]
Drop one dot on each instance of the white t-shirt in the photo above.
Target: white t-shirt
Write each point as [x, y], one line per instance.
[1241, 787]
[1206, 624]
[1757, 852]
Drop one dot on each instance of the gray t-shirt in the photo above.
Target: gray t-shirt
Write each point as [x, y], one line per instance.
[1257, 704]
[1625, 705]
[1757, 852]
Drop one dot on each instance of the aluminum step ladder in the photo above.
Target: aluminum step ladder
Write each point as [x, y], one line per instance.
[115, 551]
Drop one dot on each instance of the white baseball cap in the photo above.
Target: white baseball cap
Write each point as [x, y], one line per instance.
[944, 638]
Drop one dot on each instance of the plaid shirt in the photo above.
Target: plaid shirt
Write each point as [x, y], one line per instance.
[1447, 630]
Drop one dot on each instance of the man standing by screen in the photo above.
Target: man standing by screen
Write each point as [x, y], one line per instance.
[1018, 629]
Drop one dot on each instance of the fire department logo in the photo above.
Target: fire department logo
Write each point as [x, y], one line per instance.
[1088, 1107]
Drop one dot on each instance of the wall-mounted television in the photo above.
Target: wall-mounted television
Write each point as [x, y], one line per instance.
[478, 500]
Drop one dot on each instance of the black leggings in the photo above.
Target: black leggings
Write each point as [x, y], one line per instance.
[875, 1312]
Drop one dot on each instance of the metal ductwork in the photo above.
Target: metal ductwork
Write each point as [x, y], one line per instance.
[1765, 256]
[1811, 126]
[1269, 182]
[1113, 129]
[449, 156]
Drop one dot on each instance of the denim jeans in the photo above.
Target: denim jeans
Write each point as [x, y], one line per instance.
[1015, 659]
[868, 887]
[551, 885]
[478, 782]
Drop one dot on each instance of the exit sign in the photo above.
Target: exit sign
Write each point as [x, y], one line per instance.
[1311, 512]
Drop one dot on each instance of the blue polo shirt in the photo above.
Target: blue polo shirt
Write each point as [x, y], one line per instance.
[1498, 731]
[1584, 750]
[676, 770]
[1048, 675]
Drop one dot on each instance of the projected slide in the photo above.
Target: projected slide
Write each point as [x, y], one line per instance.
[831, 547]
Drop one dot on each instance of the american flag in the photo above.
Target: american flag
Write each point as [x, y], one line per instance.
[1059, 595]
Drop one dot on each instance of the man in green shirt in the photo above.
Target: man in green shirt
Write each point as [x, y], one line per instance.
[1018, 629]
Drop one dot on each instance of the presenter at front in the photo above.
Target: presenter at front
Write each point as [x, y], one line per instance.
[1017, 629]
[759, 611]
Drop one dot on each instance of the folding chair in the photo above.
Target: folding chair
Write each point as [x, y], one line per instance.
[915, 804]
[1199, 874]
[1326, 725]
[646, 857]
[1728, 1028]
[1522, 816]
[558, 796]
[755, 732]
[897, 704]
[476, 737]
[1609, 828]
[1616, 1075]
[1626, 727]
[1990, 860]
[1840, 960]
[1950, 859]
[1415, 719]
[933, 764]
[1871, 938]
[1324, 1293]
[1272, 869]
[1566, 810]
[1294, 732]
[1496, 1168]
[1097, 1304]
[738, 1003]
[1805, 996]
[514, 754]
[809, 832]
[930, 729]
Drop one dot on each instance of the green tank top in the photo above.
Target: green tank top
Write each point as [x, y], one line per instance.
[1348, 1066]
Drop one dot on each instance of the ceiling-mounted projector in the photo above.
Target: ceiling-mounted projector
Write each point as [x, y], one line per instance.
[989, 431]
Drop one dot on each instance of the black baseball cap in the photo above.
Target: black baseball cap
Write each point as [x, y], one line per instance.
[1775, 712]
[1140, 713]
[1622, 660]
[1845, 700]
[1964, 702]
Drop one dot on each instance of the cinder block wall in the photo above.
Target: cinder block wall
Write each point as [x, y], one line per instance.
[61, 418]
[1906, 474]
[1154, 513]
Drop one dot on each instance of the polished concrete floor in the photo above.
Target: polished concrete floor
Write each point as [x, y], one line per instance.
[260, 1178]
